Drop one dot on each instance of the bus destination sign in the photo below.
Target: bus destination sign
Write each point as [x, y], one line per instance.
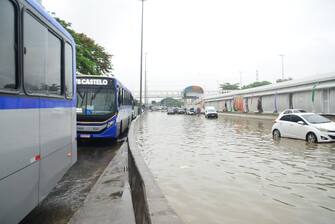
[97, 82]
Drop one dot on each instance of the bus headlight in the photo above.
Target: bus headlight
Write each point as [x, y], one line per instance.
[110, 124]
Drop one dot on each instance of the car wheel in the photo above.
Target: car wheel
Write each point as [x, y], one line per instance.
[311, 138]
[276, 134]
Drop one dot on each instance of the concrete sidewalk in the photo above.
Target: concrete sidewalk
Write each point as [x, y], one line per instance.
[110, 199]
[261, 116]
[246, 115]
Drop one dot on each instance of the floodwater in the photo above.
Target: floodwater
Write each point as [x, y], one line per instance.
[69, 194]
[230, 170]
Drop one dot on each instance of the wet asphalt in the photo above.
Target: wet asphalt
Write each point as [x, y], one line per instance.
[69, 194]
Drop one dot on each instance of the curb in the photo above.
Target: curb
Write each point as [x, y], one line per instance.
[109, 201]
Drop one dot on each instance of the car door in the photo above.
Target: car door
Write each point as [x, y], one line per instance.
[284, 124]
[297, 130]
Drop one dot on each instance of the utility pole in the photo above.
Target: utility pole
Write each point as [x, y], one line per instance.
[145, 81]
[141, 54]
[282, 65]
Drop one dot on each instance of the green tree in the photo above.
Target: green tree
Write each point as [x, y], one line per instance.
[170, 102]
[256, 84]
[227, 86]
[92, 59]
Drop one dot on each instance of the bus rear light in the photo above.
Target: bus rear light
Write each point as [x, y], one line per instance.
[38, 157]
[35, 158]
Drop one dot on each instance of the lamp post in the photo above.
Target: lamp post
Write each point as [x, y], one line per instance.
[141, 54]
[282, 65]
[145, 81]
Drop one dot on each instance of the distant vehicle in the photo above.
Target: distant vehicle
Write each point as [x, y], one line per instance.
[37, 109]
[191, 111]
[291, 111]
[104, 107]
[307, 126]
[170, 110]
[181, 111]
[210, 112]
[154, 108]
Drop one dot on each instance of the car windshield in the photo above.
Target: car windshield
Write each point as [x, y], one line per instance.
[211, 110]
[95, 100]
[316, 119]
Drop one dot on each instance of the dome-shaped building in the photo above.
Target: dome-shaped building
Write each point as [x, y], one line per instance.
[192, 92]
[191, 96]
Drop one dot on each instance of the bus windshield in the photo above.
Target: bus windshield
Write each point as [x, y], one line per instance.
[95, 100]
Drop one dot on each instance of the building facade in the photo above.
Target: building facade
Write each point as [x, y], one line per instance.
[313, 94]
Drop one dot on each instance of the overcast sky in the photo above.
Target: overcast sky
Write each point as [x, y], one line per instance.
[207, 42]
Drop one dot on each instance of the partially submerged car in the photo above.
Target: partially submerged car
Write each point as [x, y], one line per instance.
[181, 111]
[291, 111]
[171, 110]
[191, 111]
[210, 112]
[306, 126]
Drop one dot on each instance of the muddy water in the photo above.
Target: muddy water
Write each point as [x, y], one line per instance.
[69, 194]
[230, 170]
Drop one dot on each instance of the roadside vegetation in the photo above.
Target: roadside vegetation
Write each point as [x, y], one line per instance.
[170, 102]
[236, 86]
[92, 59]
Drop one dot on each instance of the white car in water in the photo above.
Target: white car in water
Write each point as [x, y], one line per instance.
[191, 111]
[210, 112]
[307, 126]
[290, 111]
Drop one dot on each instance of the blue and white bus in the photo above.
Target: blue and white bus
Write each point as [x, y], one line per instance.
[37, 106]
[104, 107]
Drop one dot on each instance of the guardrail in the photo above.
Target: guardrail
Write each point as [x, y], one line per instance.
[150, 205]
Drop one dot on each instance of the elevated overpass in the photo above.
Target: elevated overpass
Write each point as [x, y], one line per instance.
[161, 94]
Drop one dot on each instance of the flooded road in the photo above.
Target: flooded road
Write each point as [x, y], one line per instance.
[230, 170]
[69, 194]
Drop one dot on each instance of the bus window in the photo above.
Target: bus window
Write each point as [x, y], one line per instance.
[42, 58]
[122, 97]
[68, 71]
[119, 96]
[7, 46]
[53, 66]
